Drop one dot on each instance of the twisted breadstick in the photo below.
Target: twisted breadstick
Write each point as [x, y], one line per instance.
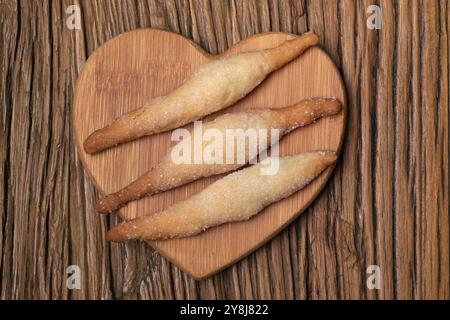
[236, 197]
[167, 175]
[214, 86]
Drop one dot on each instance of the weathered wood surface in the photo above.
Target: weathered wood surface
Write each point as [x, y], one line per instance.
[387, 202]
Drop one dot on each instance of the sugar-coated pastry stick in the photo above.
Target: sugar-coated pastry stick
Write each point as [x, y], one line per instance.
[236, 197]
[167, 175]
[212, 87]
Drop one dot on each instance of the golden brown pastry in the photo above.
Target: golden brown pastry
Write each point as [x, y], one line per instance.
[236, 197]
[214, 86]
[167, 175]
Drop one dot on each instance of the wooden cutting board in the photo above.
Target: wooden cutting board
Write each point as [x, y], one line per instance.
[131, 69]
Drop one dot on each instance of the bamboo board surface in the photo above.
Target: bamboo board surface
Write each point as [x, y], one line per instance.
[138, 66]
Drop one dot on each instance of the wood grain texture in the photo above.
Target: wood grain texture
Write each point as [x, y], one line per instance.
[138, 66]
[387, 202]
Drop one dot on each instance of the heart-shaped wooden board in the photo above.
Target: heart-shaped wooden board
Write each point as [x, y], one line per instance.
[131, 69]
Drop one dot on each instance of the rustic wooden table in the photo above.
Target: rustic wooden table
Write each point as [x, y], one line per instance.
[387, 203]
